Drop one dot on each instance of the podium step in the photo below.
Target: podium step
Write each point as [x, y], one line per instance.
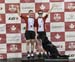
[36, 59]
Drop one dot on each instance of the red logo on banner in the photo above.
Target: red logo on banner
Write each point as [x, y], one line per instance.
[2, 38]
[42, 6]
[57, 36]
[14, 48]
[13, 28]
[57, 17]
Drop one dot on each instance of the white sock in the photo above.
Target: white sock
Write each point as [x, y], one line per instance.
[37, 53]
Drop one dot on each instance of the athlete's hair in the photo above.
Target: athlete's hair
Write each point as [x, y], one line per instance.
[40, 12]
[30, 11]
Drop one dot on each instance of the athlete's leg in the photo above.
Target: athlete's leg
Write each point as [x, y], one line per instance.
[27, 45]
[32, 42]
[39, 46]
[32, 45]
[27, 35]
[39, 42]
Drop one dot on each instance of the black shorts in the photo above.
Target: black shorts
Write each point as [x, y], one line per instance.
[30, 35]
[41, 35]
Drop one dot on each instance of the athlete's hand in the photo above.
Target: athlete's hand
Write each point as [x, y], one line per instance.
[51, 9]
[18, 10]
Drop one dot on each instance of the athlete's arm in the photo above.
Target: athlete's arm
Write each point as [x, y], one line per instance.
[46, 16]
[18, 11]
[35, 27]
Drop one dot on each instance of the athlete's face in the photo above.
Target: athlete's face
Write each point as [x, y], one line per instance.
[40, 13]
[31, 14]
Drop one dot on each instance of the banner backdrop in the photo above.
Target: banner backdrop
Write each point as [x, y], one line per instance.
[60, 25]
